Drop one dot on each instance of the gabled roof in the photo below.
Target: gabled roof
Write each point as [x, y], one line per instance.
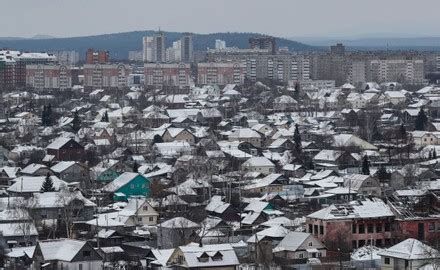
[32, 168]
[178, 223]
[120, 181]
[62, 166]
[216, 205]
[61, 249]
[58, 143]
[224, 252]
[258, 162]
[292, 241]
[276, 231]
[32, 184]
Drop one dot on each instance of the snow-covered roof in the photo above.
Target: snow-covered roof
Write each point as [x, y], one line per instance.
[224, 253]
[62, 166]
[32, 168]
[178, 223]
[216, 205]
[346, 140]
[258, 162]
[61, 249]
[292, 241]
[276, 231]
[16, 229]
[368, 208]
[32, 184]
[58, 143]
[410, 249]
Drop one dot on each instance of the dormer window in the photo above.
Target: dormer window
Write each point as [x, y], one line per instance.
[218, 256]
[203, 258]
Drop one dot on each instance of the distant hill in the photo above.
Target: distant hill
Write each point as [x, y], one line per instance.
[120, 43]
[381, 42]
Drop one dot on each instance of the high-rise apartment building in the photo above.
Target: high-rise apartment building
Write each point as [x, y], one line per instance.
[154, 48]
[97, 57]
[147, 45]
[54, 77]
[187, 48]
[172, 75]
[67, 57]
[105, 76]
[263, 43]
[221, 73]
[13, 67]
[220, 44]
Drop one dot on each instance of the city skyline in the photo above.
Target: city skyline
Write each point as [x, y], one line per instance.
[287, 18]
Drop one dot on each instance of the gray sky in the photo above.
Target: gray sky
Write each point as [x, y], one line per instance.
[288, 18]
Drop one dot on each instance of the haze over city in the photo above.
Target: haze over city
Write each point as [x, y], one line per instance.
[283, 18]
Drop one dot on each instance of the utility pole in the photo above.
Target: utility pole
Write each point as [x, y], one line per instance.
[340, 258]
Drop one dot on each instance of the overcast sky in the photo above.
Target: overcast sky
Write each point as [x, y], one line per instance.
[287, 18]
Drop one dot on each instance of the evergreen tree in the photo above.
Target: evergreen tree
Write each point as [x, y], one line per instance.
[383, 174]
[76, 123]
[49, 115]
[434, 154]
[135, 167]
[430, 155]
[157, 139]
[297, 137]
[105, 117]
[297, 89]
[366, 166]
[47, 184]
[376, 136]
[402, 132]
[421, 120]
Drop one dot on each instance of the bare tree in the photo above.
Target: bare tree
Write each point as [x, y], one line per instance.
[21, 211]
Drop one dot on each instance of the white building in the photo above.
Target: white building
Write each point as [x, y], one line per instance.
[220, 44]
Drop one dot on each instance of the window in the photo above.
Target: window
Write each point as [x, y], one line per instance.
[132, 186]
[353, 228]
[361, 228]
[310, 244]
[151, 219]
[361, 243]
[387, 260]
[431, 227]
[145, 208]
[301, 256]
[315, 229]
[310, 228]
[354, 244]
[321, 229]
[387, 227]
[80, 266]
[86, 253]
[139, 218]
[370, 228]
[379, 227]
